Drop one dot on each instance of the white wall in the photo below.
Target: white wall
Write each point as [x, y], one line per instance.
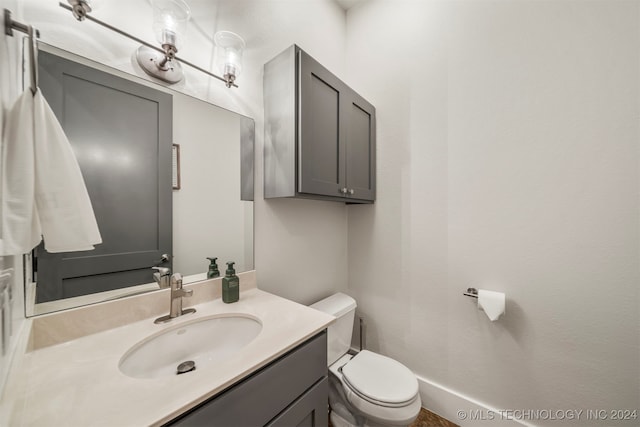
[508, 136]
[208, 216]
[507, 159]
[300, 246]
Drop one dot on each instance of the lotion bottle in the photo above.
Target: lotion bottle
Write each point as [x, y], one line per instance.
[213, 269]
[230, 285]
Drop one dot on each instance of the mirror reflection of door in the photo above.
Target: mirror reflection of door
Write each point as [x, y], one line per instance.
[121, 135]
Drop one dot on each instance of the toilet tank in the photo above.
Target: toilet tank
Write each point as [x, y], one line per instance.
[343, 307]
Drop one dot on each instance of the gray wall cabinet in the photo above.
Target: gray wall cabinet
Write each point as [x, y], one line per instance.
[320, 135]
[291, 391]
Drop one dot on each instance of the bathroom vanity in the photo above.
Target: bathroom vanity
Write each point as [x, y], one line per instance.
[291, 391]
[70, 371]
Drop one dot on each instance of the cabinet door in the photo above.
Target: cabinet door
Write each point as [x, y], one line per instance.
[121, 133]
[321, 133]
[360, 148]
[266, 394]
[309, 410]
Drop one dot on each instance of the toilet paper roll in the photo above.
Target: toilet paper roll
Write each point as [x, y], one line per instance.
[493, 303]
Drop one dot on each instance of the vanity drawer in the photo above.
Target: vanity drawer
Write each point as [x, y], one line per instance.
[265, 394]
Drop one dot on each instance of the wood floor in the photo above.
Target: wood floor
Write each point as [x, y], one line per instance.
[427, 418]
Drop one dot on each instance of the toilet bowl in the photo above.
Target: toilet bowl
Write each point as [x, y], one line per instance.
[367, 389]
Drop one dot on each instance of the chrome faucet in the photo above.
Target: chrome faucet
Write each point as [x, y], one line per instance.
[176, 294]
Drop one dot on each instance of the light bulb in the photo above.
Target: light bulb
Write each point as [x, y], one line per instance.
[170, 19]
[229, 48]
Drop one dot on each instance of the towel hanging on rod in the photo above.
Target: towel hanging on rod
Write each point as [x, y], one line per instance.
[32, 33]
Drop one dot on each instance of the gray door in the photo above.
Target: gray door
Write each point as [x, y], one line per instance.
[361, 148]
[321, 147]
[121, 134]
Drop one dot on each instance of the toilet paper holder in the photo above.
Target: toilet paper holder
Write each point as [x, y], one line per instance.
[471, 292]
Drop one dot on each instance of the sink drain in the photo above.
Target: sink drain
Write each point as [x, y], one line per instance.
[185, 367]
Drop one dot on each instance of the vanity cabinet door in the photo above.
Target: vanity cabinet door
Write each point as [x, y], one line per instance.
[308, 411]
[271, 392]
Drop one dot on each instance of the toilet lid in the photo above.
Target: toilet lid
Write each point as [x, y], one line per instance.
[380, 378]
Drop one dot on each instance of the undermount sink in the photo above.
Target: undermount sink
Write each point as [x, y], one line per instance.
[190, 346]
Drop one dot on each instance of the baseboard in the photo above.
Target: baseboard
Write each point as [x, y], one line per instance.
[463, 410]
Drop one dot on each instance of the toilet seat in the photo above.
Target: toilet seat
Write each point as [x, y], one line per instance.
[380, 380]
[378, 387]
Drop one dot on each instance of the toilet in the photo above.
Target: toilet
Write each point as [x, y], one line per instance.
[367, 389]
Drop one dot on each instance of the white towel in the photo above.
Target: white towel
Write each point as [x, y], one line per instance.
[43, 192]
[62, 201]
[20, 226]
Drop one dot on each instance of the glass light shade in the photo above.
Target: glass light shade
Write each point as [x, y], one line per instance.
[170, 19]
[229, 47]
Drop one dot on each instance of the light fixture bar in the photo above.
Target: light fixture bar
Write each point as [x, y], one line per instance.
[149, 45]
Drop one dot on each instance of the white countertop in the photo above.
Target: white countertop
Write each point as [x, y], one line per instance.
[78, 383]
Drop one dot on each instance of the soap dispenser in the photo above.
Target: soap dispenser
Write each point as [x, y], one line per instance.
[213, 269]
[230, 285]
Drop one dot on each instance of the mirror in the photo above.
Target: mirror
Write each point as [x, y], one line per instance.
[209, 208]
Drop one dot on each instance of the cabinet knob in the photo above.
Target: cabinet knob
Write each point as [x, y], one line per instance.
[351, 191]
[344, 190]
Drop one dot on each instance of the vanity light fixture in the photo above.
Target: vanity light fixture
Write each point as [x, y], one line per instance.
[169, 24]
[170, 19]
[229, 47]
